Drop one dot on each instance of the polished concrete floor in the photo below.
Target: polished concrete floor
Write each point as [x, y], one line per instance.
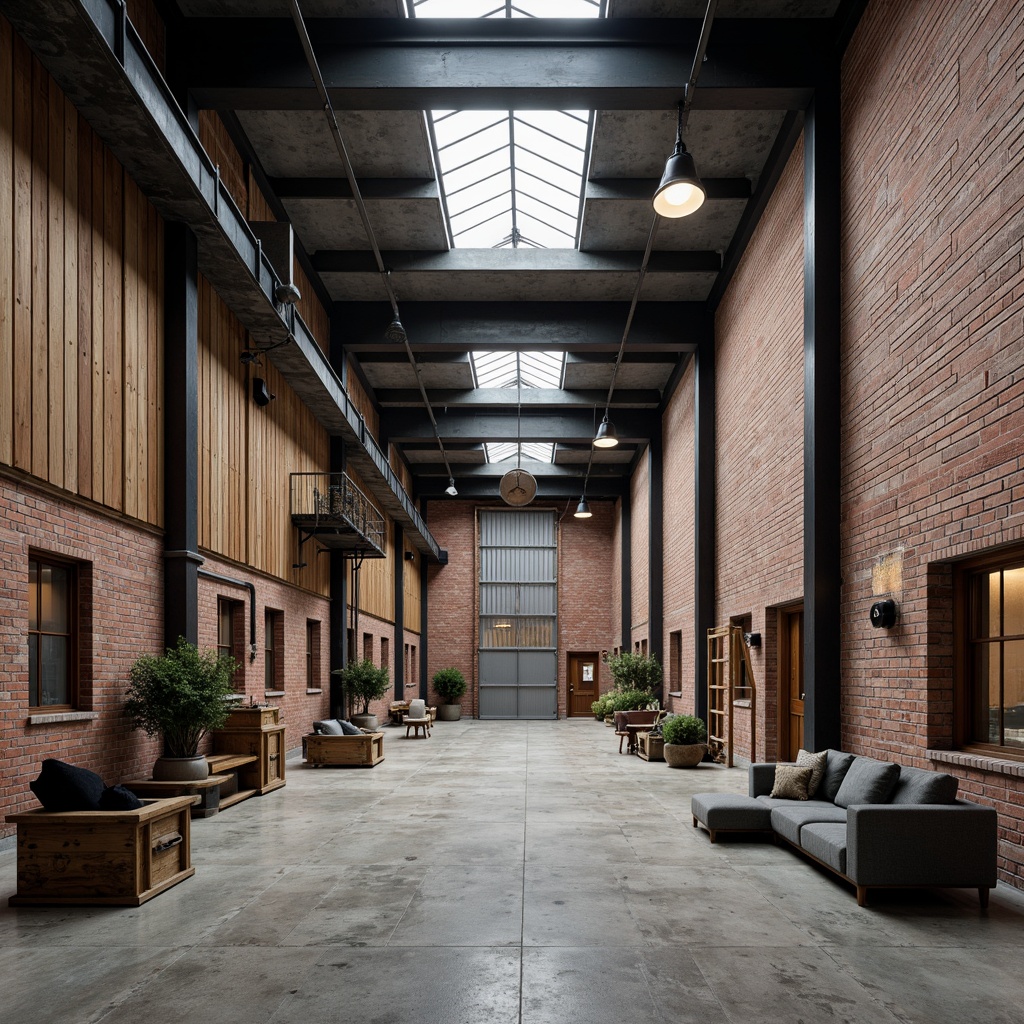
[506, 873]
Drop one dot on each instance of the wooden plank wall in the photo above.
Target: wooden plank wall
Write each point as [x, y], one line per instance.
[411, 591]
[81, 302]
[152, 31]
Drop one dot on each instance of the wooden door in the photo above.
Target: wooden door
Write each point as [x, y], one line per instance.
[582, 674]
[791, 682]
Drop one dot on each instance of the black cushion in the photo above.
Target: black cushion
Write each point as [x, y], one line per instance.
[63, 787]
[868, 782]
[837, 764]
[118, 798]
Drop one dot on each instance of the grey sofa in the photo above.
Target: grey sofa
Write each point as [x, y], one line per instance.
[873, 823]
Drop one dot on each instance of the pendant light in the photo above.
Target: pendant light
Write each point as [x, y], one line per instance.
[606, 436]
[582, 509]
[450, 489]
[680, 191]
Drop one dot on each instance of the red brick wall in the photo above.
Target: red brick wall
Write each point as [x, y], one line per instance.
[759, 438]
[639, 555]
[933, 388]
[678, 439]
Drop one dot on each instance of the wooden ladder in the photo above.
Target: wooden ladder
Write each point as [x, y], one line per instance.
[727, 655]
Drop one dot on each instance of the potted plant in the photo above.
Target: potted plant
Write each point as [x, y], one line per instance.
[180, 696]
[635, 671]
[449, 684]
[364, 681]
[685, 737]
[602, 707]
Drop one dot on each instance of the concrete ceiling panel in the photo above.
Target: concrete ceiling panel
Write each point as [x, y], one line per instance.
[380, 143]
[281, 9]
[726, 9]
[444, 374]
[585, 374]
[624, 224]
[397, 223]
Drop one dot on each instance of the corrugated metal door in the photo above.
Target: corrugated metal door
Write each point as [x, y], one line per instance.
[518, 615]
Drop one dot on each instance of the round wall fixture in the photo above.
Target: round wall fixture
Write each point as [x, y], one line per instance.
[518, 487]
[883, 614]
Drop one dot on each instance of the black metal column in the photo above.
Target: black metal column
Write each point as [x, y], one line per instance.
[626, 582]
[399, 578]
[656, 548]
[822, 175]
[703, 513]
[181, 435]
[339, 601]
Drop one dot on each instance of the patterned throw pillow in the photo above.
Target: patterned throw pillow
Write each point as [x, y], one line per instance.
[791, 782]
[816, 762]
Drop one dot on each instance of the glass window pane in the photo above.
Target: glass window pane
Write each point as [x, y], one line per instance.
[536, 632]
[53, 667]
[1013, 602]
[497, 631]
[1013, 693]
[33, 668]
[33, 595]
[53, 612]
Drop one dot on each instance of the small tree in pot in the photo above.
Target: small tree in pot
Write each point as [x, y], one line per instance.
[635, 672]
[364, 681]
[180, 696]
[684, 737]
[449, 685]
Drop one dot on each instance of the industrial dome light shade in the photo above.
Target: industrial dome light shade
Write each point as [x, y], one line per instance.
[450, 489]
[395, 331]
[680, 191]
[582, 510]
[606, 436]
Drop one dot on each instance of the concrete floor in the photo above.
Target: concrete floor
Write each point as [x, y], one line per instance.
[506, 873]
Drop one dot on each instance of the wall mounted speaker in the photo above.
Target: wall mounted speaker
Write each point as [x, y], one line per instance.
[883, 614]
[410, 555]
[260, 394]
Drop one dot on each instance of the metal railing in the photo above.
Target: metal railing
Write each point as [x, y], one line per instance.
[332, 499]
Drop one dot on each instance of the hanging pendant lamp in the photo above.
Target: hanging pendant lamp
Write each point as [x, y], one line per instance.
[680, 192]
[606, 436]
[582, 509]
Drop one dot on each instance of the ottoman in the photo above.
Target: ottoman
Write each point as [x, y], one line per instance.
[729, 812]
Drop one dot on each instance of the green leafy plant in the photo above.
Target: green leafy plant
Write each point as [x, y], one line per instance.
[684, 729]
[449, 684]
[632, 700]
[364, 681]
[602, 706]
[180, 696]
[635, 672]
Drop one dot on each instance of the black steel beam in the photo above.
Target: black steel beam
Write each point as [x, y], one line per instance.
[626, 571]
[502, 398]
[822, 395]
[404, 425]
[655, 550]
[398, 583]
[704, 555]
[553, 326]
[502, 64]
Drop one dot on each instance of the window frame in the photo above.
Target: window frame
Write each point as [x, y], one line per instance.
[235, 617]
[966, 577]
[273, 650]
[74, 610]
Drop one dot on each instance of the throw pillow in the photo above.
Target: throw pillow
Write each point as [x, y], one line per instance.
[791, 782]
[349, 729]
[119, 798]
[917, 786]
[816, 762]
[63, 787]
[837, 764]
[868, 782]
[328, 727]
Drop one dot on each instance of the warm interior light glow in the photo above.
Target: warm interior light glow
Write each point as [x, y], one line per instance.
[682, 194]
[582, 510]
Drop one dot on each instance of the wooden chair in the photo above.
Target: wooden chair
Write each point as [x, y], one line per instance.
[628, 724]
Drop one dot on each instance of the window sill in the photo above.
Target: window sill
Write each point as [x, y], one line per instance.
[743, 702]
[58, 717]
[675, 693]
[273, 693]
[980, 762]
[309, 691]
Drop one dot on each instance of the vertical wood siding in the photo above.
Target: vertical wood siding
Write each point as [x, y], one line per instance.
[81, 301]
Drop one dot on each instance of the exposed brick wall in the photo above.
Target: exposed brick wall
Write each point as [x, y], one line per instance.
[640, 508]
[933, 359]
[677, 433]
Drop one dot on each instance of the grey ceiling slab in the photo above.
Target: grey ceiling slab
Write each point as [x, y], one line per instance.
[619, 223]
[380, 144]
[281, 8]
[589, 374]
[401, 375]
[726, 9]
[396, 223]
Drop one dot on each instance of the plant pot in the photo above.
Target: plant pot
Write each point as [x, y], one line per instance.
[449, 712]
[365, 722]
[609, 719]
[181, 769]
[684, 755]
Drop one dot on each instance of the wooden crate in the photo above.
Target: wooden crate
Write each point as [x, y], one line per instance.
[650, 748]
[347, 751]
[102, 857]
[245, 717]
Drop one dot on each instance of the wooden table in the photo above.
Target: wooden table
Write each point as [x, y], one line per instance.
[205, 793]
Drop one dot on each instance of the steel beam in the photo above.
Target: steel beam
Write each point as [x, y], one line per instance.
[405, 425]
[503, 398]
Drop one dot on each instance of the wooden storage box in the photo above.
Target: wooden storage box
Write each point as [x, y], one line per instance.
[650, 748]
[348, 751]
[252, 718]
[102, 857]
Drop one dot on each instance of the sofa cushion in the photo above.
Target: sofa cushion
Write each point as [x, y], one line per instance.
[826, 840]
[730, 811]
[837, 764]
[868, 782]
[64, 787]
[791, 782]
[790, 817]
[348, 729]
[918, 786]
[816, 762]
[328, 727]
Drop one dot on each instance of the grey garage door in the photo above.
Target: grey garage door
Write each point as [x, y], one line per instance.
[518, 614]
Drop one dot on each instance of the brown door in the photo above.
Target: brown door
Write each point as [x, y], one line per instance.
[582, 673]
[791, 682]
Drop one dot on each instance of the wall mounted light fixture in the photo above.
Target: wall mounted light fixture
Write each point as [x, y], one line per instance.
[883, 614]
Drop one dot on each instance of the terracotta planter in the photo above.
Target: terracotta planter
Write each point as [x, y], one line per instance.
[181, 769]
[684, 755]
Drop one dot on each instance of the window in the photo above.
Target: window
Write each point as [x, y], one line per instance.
[368, 647]
[230, 636]
[385, 652]
[273, 663]
[313, 681]
[52, 637]
[992, 659]
[675, 661]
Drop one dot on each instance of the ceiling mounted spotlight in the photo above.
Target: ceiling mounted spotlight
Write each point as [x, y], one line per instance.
[582, 510]
[606, 436]
[395, 331]
[287, 294]
[450, 489]
[680, 192]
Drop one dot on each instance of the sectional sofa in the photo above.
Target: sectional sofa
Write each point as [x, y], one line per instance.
[874, 823]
